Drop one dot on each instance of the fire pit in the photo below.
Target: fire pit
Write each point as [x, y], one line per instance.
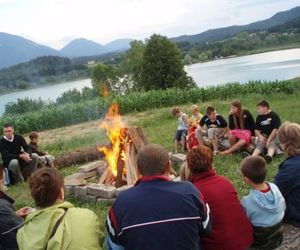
[118, 171]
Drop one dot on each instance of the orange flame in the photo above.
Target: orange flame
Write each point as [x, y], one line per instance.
[113, 123]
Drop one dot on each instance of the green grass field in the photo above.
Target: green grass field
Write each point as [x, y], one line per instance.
[159, 127]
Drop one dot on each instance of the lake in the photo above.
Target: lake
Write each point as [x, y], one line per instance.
[48, 93]
[280, 65]
[269, 66]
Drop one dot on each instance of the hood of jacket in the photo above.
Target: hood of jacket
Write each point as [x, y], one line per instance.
[39, 225]
[269, 201]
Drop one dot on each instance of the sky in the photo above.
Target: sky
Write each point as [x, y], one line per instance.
[56, 22]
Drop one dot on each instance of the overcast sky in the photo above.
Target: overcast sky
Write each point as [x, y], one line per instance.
[57, 22]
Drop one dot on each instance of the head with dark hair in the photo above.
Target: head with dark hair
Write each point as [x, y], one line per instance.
[254, 168]
[200, 159]
[8, 130]
[153, 160]
[211, 113]
[46, 187]
[8, 125]
[262, 107]
[33, 135]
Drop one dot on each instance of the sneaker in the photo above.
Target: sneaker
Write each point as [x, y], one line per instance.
[268, 158]
[245, 154]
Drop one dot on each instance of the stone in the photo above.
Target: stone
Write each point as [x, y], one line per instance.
[69, 190]
[90, 174]
[101, 190]
[103, 200]
[90, 198]
[74, 182]
[80, 192]
[178, 158]
[120, 189]
[91, 166]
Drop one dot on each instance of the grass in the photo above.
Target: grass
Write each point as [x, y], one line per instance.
[159, 127]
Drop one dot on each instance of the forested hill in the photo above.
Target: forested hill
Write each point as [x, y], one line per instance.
[213, 35]
[40, 71]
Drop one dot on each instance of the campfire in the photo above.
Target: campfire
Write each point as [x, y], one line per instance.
[120, 155]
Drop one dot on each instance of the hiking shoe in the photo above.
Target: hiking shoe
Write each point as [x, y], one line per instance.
[268, 158]
[245, 154]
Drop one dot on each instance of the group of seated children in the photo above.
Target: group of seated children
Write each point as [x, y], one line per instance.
[240, 133]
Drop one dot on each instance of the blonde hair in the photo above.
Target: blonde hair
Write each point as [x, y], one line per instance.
[289, 136]
[195, 108]
[175, 110]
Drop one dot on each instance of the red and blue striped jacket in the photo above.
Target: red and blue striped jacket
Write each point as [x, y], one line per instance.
[159, 214]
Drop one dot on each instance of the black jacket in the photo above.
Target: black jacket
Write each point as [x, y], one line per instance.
[12, 150]
[9, 223]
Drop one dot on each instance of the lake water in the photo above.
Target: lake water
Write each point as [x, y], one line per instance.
[48, 93]
[280, 65]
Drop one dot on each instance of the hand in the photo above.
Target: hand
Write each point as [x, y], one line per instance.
[25, 156]
[261, 138]
[23, 212]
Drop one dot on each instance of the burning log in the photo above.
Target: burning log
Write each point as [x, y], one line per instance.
[127, 171]
[122, 153]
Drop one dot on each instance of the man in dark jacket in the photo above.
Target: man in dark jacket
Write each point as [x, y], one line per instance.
[9, 220]
[157, 213]
[16, 153]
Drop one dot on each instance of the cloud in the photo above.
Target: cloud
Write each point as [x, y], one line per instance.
[55, 22]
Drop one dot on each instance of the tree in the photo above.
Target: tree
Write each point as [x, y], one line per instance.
[131, 64]
[162, 67]
[104, 77]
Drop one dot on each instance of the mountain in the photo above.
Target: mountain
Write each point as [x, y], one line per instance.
[227, 32]
[83, 47]
[16, 49]
[291, 26]
[119, 44]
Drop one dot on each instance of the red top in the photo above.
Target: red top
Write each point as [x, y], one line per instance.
[231, 229]
[266, 190]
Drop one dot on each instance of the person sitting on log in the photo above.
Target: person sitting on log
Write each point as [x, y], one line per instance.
[44, 158]
[16, 154]
[157, 213]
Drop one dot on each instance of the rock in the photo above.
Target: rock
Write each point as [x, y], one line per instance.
[80, 192]
[102, 200]
[90, 174]
[101, 170]
[90, 198]
[91, 166]
[179, 158]
[120, 189]
[69, 190]
[101, 190]
[74, 182]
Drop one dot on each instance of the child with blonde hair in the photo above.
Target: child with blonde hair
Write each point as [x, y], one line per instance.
[182, 129]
